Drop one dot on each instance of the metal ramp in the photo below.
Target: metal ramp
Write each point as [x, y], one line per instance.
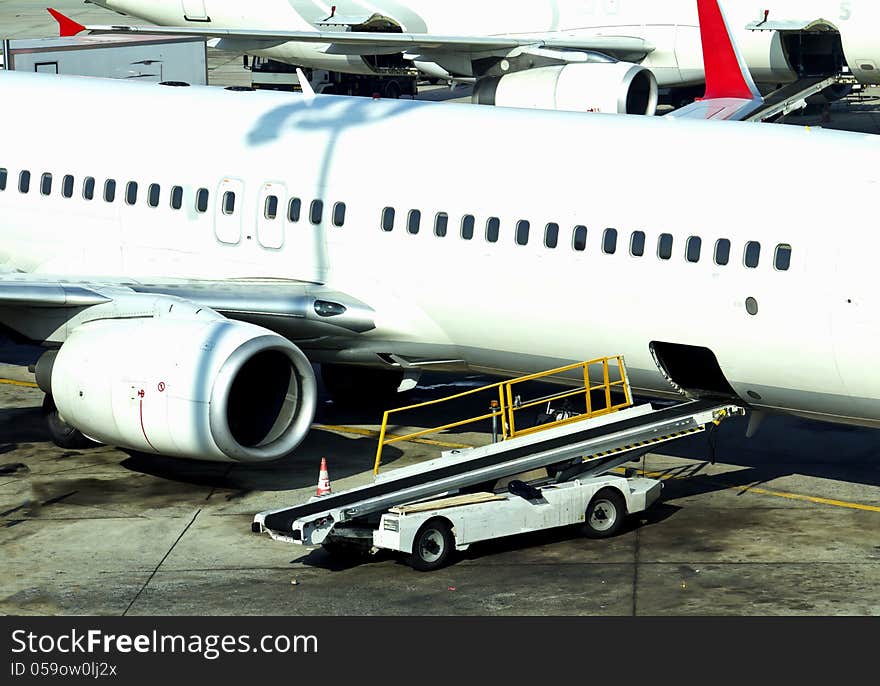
[583, 443]
[791, 97]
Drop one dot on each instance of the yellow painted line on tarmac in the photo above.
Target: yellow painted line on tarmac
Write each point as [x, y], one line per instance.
[814, 499]
[375, 434]
[13, 382]
[766, 491]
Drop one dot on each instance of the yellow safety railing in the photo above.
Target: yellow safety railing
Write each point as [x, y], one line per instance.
[592, 397]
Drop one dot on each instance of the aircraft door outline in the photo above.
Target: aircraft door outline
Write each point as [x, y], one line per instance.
[228, 205]
[270, 210]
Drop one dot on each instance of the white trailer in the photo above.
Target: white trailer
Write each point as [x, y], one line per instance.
[180, 59]
[428, 532]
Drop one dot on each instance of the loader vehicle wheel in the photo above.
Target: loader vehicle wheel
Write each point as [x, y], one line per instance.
[605, 514]
[432, 546]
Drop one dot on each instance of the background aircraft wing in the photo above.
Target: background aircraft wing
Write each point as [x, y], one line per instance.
[368, 42]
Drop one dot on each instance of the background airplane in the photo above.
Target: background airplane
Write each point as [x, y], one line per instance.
[184, 283]
[598, 55]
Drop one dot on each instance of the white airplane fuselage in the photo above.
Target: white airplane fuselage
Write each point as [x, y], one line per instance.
[671, 26]
[505, 306]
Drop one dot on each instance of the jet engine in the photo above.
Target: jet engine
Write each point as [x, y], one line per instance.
[205, 388]
[611, 87]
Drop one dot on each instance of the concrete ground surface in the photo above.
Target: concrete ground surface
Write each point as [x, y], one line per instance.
[785, 523]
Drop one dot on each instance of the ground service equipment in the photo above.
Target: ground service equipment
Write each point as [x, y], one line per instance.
[544, 474]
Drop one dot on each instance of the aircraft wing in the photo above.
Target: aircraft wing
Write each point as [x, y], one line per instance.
[42, 307]
[368, 42]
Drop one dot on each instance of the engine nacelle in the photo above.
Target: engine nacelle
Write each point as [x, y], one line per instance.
[610, 87]
[205, 388]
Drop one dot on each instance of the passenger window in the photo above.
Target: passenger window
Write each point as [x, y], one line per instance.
[664, 246]
[388, 219]
[153, 195]
[109, 190]
[2, 179]
[722, 251]
[551, 235]
[293, 209]
[89, 188]
[316, 213]
[522, 232]
[131, 192]
[46, 184]
[467, 227]
[609, 241]
[782, 259]
[637, 244]
[693, 248]
[752, 254]
[413, 221]
[441, 223]
[176, 197]
[228, 202]
[579, 238]
[339, 214]
[270, 207]
[24, 181]
[493, 228]
[202, 200]
[67, 186]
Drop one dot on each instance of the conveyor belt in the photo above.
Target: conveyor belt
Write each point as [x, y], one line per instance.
[785, 99]
[282, 520]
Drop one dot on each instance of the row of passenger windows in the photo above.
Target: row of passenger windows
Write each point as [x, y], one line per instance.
[610, 238]
[294, 210]
[693, 251]
[175, 198]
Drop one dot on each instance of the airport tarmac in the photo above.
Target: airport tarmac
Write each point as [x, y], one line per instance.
[785, 523]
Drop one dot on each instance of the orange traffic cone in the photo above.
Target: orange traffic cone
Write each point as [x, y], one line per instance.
[323, 479]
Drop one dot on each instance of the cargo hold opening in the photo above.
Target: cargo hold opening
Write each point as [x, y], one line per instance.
[814, 53]
[694, 369]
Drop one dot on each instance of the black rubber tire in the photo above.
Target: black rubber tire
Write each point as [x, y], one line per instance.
[352, 385]
[432, 546]
[605, 514]
[63, 434]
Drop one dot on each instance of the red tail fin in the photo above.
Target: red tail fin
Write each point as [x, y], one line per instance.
[66, 25]
[726, 73]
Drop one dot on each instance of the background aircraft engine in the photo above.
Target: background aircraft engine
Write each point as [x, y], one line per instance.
[201, 388]
[611, 87]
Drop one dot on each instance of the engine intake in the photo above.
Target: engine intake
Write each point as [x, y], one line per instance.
[610, 87]
[207, 388]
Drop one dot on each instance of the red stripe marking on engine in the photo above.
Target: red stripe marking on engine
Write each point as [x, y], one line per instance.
[143, 430]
